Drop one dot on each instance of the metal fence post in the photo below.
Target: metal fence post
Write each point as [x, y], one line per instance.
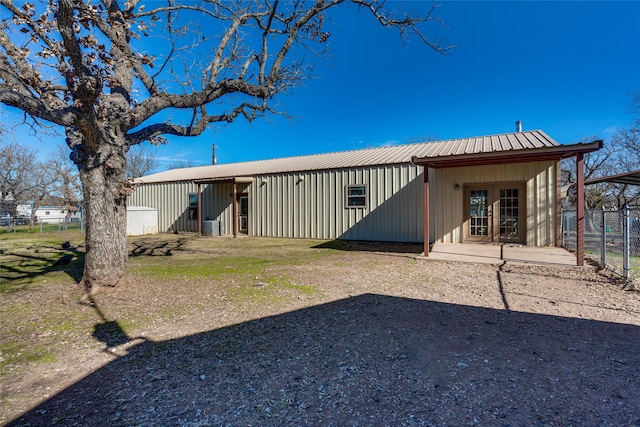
[603, 250]
[626, 236]
[563, 216]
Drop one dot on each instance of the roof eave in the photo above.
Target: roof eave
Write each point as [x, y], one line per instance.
[233, 179]
[627, 178]
[512, 156]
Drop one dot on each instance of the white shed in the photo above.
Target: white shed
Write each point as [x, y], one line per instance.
[141, 220]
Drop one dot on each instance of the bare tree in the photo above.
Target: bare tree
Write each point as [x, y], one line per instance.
[141, 160]
[596, 165]
[66, 181]
[116, 73]
[180, 164]
[621, 153]
[41, 187]
[23, 180]
[626, 143]
[17, 173]
[422, 138]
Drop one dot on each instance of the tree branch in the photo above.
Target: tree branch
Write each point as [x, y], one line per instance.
[88, 87]
[247, 110]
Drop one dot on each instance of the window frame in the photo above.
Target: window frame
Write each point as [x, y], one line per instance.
[192, 208]
[349, 197]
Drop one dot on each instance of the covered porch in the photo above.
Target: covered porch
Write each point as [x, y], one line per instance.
[501, 253]
[503, 156]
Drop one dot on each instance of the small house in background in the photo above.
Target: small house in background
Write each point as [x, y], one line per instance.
[496, 188]
[56, 215]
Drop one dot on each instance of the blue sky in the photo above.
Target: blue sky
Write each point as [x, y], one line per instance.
[564, 67]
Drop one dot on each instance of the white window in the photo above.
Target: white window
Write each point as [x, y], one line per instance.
[356, 196]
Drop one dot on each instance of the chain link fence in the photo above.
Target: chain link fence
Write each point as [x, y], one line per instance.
[611, 237]
[22, 225]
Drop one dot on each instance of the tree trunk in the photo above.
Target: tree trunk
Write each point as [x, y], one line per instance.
[102, 173]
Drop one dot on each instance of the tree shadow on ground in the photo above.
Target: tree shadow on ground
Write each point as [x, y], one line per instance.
[109, 332]
[39, 263]
[148, 247]
[369, 360]
[414, 249]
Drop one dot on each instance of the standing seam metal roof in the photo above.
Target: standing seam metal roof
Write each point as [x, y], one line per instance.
[399, 154]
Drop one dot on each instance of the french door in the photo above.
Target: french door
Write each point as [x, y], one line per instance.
[495, 213]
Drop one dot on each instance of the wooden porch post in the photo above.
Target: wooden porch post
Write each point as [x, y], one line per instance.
[580, 209]
[199, 211]
[426, 210]
[235, 209]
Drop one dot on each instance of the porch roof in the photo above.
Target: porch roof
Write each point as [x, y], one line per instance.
[629, 178]
[525, 154]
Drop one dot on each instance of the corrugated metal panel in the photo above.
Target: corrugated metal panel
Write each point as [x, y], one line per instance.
[312, 205]
[172, 202]
[217, 205]
[400, 154]
[447, 203]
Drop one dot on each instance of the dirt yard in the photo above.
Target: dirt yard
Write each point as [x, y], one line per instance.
[327, 334]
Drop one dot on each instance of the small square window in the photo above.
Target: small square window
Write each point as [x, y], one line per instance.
[356, 196]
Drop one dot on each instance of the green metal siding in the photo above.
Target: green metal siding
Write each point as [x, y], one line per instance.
[172, 201]
[312, 205]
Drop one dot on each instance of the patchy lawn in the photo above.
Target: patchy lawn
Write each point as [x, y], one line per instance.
[257, 331]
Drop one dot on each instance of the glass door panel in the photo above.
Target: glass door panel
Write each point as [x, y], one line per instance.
[509, 215]
[243, 214]
[479, 213]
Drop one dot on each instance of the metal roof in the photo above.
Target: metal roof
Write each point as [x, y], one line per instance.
[398, 154]
[629, 178]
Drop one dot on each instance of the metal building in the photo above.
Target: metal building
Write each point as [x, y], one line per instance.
[497, 188]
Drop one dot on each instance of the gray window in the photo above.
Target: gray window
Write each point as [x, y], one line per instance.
[356, 196]
[193, 206]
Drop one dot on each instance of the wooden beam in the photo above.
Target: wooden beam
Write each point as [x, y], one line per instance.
[235, 209]
[199, 210]
[426, 210]
[558, 204]
[580, 209]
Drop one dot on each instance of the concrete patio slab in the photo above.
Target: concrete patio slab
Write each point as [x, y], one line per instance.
[490, 253]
